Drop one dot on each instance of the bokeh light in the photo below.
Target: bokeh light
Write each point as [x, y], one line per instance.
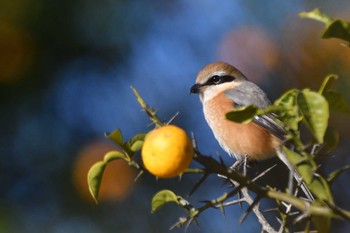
[17, 52]
[117, 179]
[311, 60]
[251, 49]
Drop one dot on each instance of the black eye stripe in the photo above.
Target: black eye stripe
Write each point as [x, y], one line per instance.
[216, 79]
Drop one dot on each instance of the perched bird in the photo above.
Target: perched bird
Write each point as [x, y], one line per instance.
[222, 88]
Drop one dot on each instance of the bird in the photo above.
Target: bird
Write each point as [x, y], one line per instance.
[223, 88]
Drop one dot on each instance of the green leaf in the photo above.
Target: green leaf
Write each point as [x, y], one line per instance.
[331, 140]
[326, 192]
[336, 173]
[95, 174]
[314, 108]
[327, 83]
[116, 137]
[290, 115]
[336, 102]
[287, 99]
[305, 165]
[138, 137]
[322, 224]
[163, 197]
[321, 189]
[137, 141]
[94, 178]
[339, 29]
[334, 28]
[113, 155]
[136, 146]
[300, 163]
[316, 14]
[242, 115]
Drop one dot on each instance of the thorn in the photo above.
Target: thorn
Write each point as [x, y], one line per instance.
[300, 218]
[222, 209]
[294, 213]
[192, 219]
[172, 118]
[194, 141]
[151, 124]
[245, 215]
[264, 173]
[188, 224]
[180, 177]
[315, 149]
[234, 202]
[285, 204]
[279, 220]
[179, 223]
[239, 194]
[281, 230]
[221, 160]
[198, 184]
[236, 165]
[138, 175]
[271, 210]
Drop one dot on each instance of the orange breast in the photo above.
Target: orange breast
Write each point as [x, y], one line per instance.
[238, 139]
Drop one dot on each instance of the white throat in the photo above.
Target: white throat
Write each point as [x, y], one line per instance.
[211, 91]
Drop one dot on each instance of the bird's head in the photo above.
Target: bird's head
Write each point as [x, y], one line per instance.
[215, 78]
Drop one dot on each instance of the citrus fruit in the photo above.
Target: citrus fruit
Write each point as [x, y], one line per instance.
[167, 151]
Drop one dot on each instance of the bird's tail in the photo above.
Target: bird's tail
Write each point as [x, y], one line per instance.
[282, 156]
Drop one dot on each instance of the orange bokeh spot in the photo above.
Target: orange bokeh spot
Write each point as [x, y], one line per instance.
[16, 52]
[251, 50]
[309, 58]
[117, 179]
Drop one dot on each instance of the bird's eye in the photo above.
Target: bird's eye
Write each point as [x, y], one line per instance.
[216, 79]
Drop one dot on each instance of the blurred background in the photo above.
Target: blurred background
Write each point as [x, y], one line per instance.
[66, 68]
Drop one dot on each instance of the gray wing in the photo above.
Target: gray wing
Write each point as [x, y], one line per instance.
[242, 97]
[255, 96]
[269, 122]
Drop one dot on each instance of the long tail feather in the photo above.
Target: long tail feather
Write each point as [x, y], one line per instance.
[281, 155]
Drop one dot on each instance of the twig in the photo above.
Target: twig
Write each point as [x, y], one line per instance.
[213, 166]
[261, 218]
[255, 207]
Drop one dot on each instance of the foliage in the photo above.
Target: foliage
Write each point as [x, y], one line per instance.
[295, 109]
[334, 28]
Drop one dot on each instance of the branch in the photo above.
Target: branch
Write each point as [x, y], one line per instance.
[310, 208]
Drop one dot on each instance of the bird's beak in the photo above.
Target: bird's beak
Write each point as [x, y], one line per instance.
[196, 88]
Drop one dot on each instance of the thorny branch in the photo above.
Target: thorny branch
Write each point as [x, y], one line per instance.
[253, 203]
[243, 184]
[266, 227]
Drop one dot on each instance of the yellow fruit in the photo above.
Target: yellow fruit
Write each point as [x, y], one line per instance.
[167, 151]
